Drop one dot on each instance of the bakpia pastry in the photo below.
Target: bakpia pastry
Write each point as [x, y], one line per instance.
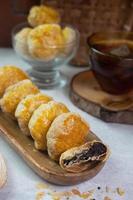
[84, 157]
[69, 38]
[21, 45]
[14, 94]
[68, 130]
[41, 121]
[52, 126]
[43, 15]
[44, 40]
[26, 107]
[10, 75]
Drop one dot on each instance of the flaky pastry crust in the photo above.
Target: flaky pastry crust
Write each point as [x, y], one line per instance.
[10, 75]
[84, 157]
[21, 44]
[68, 130]
[26, 107]
[45, 41]
[41, 120]
[14, 94]
[43, 15]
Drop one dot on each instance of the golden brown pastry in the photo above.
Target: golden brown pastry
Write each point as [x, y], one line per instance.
[70, 39]
[41, 121]
[43, 15]
[10, 75]
[68, 130]
[14, 94]
[44, 40]
[21, 44]
[84, 157]
[69, 35]
[26, 107]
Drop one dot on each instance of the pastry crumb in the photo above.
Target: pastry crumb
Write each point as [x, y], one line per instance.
[107, 198]
[67, 193]
[85, 195]
[40, 195]
[76, 192]
[56, 198]
[41, 186]
[60, 195]
[91, 192]
[120, 191]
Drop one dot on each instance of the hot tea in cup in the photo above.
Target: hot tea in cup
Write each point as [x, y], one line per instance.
[112, 61]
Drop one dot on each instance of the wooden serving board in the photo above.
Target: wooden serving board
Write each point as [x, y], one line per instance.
[86, 93]
[39, 161]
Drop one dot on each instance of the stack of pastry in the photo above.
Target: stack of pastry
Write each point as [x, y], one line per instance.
[63, 134]
[44, 39]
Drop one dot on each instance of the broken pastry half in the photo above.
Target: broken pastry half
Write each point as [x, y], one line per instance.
[67, 130]
[84, 157]
[26, 107]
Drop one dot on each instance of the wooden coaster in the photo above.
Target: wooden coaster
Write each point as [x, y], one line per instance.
[86, 93]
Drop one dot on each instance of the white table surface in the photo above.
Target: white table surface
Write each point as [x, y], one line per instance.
[118, 171]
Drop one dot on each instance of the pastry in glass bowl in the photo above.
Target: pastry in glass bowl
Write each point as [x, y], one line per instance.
[21, 41]
[48, 47]
[45, 41]
[43, 15]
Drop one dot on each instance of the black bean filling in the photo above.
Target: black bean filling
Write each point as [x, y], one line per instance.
[97, 149]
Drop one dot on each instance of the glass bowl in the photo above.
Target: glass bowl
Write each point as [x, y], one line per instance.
[45, 72]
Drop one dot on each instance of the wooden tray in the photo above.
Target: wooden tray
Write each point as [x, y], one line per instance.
[39, 161]
[86, 93]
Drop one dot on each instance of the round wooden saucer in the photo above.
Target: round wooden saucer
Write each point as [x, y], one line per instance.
[86, 93]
